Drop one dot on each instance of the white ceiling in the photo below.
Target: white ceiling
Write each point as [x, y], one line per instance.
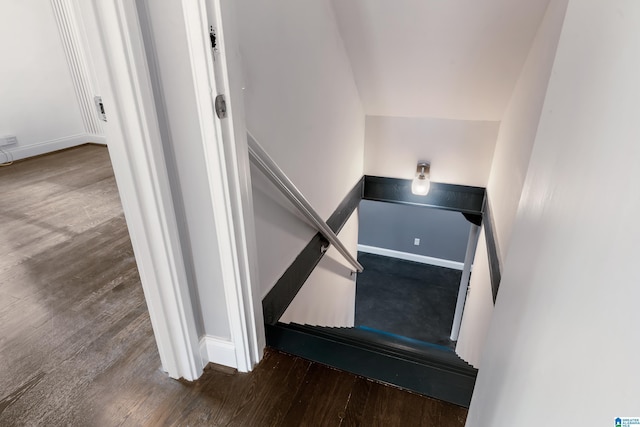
[455, 59]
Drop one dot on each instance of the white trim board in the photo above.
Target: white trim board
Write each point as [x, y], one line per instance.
[219, 351]
[411, 257]
[221, 170]
[68, 24]
[22, 152]
[137, 156]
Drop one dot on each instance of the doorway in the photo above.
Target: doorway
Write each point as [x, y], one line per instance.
[72, 308]
[72, 305]
[121, 77]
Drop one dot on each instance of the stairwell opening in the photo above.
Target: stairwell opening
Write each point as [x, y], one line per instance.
[420, 365]
[414, 259]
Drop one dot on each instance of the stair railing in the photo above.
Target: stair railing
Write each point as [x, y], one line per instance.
[271, 170]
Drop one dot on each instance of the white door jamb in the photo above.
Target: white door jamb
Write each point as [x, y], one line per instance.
[229, 180]
[138, 161]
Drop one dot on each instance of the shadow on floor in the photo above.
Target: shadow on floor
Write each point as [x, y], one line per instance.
[406, 298]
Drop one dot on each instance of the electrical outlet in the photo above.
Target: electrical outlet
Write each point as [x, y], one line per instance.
[8, 140]
[416, 242]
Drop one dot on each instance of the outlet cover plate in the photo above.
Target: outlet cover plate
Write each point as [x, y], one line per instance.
[8, 140]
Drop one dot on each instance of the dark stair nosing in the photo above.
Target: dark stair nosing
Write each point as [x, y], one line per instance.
[441, 359]
[381, 360]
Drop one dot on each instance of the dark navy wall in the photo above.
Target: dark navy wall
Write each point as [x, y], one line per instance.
[443, 234]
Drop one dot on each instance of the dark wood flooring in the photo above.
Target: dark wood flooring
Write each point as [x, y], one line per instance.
[76, 346]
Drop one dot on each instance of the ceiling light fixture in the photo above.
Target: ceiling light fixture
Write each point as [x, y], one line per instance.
[422, 182]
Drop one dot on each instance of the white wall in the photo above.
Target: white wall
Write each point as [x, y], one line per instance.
[302, 105]
[460, 151]
[508, 169]
[330, 288]
[38, 102]
[564, 341]
[478, 307]
[167, 53]
[519, 125]
[447, 59]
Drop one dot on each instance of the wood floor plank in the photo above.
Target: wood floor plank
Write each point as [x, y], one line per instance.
[322, 398]
[76, 343]
[432, 414]
[356, 405]
[392, 406]
[271, 402]
[451, 414]
[231, 405]
[75, 163]
[39, 300]
[384, 409]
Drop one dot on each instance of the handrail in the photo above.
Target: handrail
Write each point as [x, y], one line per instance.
[265, 163]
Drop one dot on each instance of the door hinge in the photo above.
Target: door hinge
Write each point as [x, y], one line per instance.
[221, 107]
[100, 107]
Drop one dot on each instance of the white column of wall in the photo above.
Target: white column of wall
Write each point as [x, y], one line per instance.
[302, 106]
[508, 169]
[563, 343]
[43, 80]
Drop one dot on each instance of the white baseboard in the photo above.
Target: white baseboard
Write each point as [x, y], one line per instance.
[97, 139]
[22, 152]
[411, 257]
[219, 351]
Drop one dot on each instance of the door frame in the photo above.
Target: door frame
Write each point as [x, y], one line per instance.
[135, 146]
[227, 164]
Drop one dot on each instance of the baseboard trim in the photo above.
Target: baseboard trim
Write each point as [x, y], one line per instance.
[219, 351]
[411, 257]
[37, 149]
[97, 140]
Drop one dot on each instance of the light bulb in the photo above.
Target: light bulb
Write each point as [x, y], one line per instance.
[420, 185]
[422, 182]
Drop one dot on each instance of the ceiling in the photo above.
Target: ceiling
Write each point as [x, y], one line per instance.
[454, 59]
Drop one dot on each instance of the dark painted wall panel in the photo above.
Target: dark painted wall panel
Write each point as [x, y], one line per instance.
[460, 198]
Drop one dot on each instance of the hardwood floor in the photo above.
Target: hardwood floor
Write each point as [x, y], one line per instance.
[76, 346]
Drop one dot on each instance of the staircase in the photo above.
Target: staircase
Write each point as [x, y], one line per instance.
[424, 368]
